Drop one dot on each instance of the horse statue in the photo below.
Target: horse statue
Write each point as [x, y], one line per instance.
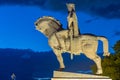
[59, 41]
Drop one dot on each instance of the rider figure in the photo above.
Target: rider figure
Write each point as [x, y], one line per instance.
[72, 21]
[72, 25]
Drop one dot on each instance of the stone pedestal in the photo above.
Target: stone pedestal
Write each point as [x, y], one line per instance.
[59, 75]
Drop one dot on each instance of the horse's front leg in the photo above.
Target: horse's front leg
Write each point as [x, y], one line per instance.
[58, 54]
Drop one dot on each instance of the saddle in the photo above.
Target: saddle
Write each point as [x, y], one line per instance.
[74, 47]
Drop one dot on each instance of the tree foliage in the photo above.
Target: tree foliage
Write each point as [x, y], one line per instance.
[117, 47]
[111, 64]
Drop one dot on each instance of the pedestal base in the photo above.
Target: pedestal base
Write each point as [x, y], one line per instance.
[77, 79]
[58, 75]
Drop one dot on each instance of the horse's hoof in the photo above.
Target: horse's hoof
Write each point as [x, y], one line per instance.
[99, 72]
[61, 69]
[106, 54]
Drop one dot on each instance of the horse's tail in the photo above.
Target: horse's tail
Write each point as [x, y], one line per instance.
[105, 45]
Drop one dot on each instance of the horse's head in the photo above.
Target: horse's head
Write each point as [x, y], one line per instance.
[48, 25]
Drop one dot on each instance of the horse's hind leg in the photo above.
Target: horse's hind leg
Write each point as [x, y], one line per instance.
[97, 61]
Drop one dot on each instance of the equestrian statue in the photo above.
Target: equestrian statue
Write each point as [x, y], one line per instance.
[71, 40]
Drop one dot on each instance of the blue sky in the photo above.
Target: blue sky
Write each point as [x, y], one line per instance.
[17, 28]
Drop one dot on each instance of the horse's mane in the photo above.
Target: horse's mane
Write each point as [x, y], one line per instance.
[44, 18]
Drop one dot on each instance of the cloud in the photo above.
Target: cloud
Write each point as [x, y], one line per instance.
[39, 3]
[46, 4]
[91, 20]
[117, 33]
[103, 8]
[111, 11]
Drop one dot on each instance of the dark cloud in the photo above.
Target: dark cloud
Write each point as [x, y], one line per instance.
[103, 8]
[111, 11]
[39, 3]
[54, 5]
[90, 20]
[117, 33]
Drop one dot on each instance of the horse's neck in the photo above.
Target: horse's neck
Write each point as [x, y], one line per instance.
[52, 33]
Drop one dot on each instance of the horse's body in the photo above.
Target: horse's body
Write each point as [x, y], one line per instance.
[60, 42]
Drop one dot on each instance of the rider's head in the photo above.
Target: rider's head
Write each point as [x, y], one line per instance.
[70, 6]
